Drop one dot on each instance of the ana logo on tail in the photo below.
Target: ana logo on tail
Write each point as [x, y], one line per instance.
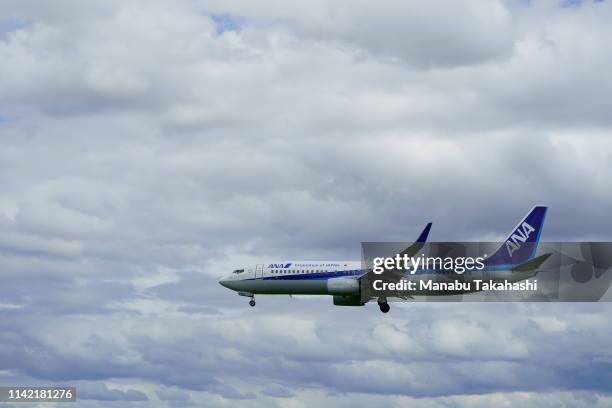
[521, 234]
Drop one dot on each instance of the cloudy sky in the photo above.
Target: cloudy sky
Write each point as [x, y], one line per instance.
[149, 147]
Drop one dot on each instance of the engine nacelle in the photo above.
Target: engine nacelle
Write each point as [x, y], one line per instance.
[353, 300]
[343, 286]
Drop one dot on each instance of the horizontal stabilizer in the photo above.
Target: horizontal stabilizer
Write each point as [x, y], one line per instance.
[532, 264]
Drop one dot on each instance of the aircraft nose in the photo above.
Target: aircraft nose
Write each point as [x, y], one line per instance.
[223, 282]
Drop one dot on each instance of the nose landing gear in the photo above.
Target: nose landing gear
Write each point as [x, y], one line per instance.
[248, 294]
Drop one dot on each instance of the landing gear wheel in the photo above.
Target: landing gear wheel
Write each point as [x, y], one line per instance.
[252, 302]
[384, 307]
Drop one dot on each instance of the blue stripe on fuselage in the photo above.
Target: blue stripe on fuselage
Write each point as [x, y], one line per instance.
[359, 272]
[312, 276]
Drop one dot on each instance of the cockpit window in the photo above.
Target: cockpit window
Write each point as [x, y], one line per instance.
[238, 271]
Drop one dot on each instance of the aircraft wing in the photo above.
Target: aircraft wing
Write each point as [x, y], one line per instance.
[418, 244]
[410, 251]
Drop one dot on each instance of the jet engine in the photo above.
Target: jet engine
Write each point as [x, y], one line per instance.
[345, 290]
[343, 286]
[354, 300]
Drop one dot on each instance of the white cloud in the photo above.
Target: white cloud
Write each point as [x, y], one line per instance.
[143, 152]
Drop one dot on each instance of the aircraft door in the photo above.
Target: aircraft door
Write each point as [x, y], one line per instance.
[259, 270]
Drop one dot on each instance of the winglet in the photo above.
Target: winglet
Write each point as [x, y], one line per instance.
[412, 249]
[423, 237]
[418, 244]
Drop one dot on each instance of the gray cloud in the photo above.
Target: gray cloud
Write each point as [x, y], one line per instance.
[422, 35]
[100, 392]
[146, 152]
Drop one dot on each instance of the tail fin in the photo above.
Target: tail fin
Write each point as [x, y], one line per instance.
[521, 244]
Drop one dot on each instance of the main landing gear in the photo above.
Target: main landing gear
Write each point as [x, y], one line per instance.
[384, 306]
[252, 302]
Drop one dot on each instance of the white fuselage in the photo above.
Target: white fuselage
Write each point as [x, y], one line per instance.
[291, 278]
[339, 278]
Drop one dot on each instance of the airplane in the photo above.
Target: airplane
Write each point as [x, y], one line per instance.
[513, 261]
